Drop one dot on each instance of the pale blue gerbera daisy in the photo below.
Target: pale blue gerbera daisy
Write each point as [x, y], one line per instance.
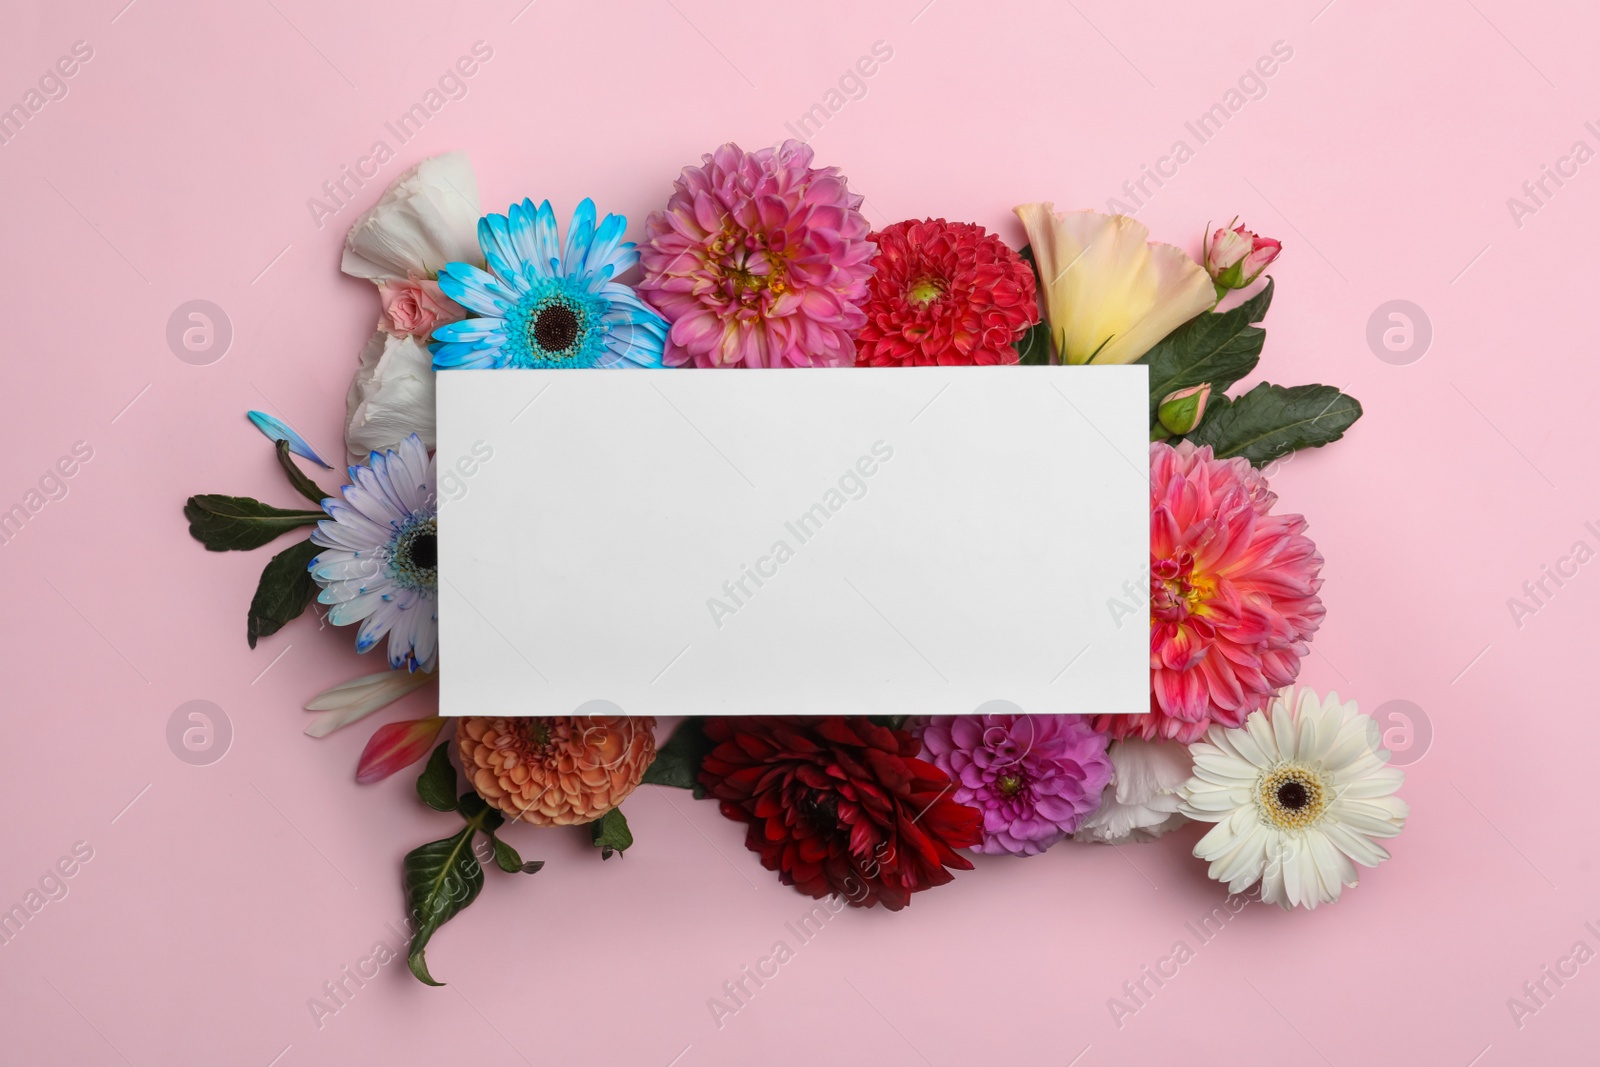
[380, 564]
[545, 305]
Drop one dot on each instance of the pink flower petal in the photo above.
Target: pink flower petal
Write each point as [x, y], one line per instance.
[396, 745]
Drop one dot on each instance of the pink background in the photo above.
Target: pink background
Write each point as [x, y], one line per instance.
[178, 167]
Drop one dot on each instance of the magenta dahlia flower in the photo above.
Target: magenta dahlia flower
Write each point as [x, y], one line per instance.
[1034, 777]
[1233, 596]
[759, 260]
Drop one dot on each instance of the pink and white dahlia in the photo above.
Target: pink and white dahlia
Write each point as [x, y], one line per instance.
[1233, 596]
[759, 260]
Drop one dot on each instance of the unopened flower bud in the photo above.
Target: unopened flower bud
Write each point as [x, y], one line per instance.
[1181, 412]
[1236, 257]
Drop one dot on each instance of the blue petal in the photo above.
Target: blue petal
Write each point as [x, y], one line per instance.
[468, 356]
[471, 330]
[548, 262]
[604, 250]
[277, 430]
[580, 235]
[476, 289]
[494, 236]
[523, 220]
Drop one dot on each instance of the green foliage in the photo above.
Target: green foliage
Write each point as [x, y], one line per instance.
[610, 833]
[1273, 420]
[286, 587]
[1216, 348]
[237, 523]
[677, 762]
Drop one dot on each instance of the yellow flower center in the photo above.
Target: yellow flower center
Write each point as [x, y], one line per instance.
[1292, 796]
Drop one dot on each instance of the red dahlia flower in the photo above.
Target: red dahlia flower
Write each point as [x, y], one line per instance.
[946, 293]
[839, 805]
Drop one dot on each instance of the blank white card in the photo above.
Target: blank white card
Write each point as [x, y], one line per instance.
[899, 541]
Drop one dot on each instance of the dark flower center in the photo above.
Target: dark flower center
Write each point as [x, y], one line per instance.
[555, 328]
[821, 811]
[1293, 795]
[424, 551]
[1010, 785]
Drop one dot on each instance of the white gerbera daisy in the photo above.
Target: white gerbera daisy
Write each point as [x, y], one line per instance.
[380, 567]
[1298, 793]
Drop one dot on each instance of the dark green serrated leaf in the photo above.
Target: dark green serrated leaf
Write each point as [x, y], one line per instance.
[440, 879]
[1033, 347]
[1215, 348]
[437, 783]
[677, 762]
[506, 858]
[286, 587]
[1273, 420]
[297, 478]
[236, 523]
[610, 833]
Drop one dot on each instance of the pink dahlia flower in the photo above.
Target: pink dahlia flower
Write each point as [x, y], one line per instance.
[1034, 777]
[759, 260]
[1233, 596]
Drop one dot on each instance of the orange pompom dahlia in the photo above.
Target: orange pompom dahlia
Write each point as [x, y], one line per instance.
[559, 770]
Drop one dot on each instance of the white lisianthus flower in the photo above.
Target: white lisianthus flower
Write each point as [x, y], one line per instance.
[1110, 294]
[1297, 794]
[428, 217]
[1143, 801]
[391, 396]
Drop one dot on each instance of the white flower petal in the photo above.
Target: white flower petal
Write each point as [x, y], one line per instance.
[1364, 851]
[350, 701]
[426, 218]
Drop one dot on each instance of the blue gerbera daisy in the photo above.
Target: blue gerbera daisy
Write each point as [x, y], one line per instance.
[545, 305]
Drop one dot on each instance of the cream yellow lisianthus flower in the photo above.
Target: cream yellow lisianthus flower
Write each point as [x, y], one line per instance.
[1110, 294]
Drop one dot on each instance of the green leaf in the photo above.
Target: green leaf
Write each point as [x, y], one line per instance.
[437, 783]
[1271, 421]
[473, 809]
[1215, 348]
[284, 591]
[297, 478]
[224, 523]
[440, 878]
[1033, 347]
[506, 858]
[677, 762]
[610, 833]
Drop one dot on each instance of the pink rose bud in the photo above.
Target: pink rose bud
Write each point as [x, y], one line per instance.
[1181, 412]
[1236, 257]
[416, 308]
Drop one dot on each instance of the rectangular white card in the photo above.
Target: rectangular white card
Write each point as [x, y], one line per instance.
[856, 541]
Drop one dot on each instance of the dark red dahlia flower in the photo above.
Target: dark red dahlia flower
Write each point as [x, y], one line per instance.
[947, 293]
[840, 805]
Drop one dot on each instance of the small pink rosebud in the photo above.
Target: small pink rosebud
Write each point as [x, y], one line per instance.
[1236, 257]
[1181, 412]
[416, 307]
[396, 745]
